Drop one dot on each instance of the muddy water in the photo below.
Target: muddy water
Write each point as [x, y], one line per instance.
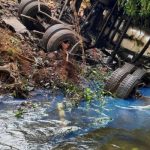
[59, 125]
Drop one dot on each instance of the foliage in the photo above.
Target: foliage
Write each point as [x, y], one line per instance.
[19, 113]
[136, 7]
[90, 88]
[24, 107]
[95, 77]
[89, 94]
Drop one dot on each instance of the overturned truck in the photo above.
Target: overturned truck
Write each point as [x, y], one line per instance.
[103, 25]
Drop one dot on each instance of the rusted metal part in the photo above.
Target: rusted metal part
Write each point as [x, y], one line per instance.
[63, 9]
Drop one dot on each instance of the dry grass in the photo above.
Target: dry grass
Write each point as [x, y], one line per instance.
[12, 50]
[7, 41]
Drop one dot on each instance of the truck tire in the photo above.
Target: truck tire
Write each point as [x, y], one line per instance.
[50, 32]
[140, 73]
[117, 76]
[126, 86]
[23, 4]
[31, 10]
[59, 37]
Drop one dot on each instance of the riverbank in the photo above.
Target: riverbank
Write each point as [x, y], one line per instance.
[24, 65]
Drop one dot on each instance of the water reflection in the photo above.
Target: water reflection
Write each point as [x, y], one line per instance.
[57, 124]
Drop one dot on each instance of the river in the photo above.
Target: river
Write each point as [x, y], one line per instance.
[57, 124]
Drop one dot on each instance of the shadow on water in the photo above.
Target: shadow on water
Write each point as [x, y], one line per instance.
[57, 124]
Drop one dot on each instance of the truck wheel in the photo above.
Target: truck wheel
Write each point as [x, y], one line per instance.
[126, 86]
[31, 10]
[117, 76]
[140, 73]
[54, 43]
[23, 4]
[50, 32]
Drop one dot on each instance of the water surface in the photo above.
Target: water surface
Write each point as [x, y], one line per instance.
[58, 124]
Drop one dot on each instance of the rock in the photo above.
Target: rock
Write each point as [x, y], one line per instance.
[15, 25]
[52, 56]
[39, 62]
[1, 12]
[41, 54]
[9, 73]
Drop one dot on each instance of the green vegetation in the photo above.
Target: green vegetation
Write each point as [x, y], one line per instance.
[24, 108]
[138, 9]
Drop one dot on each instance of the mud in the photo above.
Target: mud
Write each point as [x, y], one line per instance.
[32, 67]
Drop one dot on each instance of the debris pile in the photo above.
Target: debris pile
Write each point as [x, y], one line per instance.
[53, 44]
